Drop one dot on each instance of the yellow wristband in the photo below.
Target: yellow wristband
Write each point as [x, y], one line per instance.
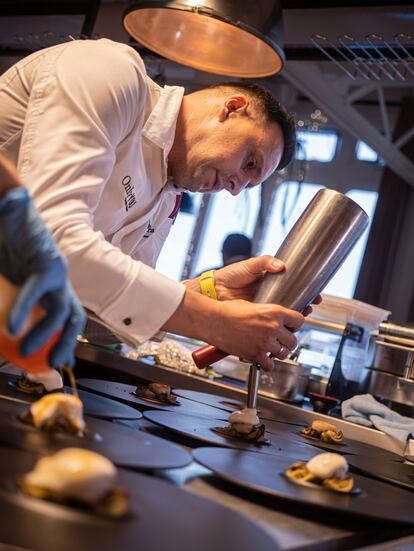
[207, 287]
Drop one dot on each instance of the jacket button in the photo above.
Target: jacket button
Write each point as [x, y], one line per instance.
[127, 321]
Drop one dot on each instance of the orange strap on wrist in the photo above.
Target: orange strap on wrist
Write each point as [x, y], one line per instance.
[207, 284]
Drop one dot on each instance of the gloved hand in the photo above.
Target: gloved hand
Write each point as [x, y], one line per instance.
[30, 259]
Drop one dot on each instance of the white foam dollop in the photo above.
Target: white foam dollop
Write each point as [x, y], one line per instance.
[328, 465]
[51, 379]
[244, 419]
[74, 473]
[56, 406]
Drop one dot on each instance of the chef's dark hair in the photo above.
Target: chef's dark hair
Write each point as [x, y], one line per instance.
[273, 111]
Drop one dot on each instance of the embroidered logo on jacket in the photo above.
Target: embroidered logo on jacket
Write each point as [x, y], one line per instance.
[129, 200]
[149, 231]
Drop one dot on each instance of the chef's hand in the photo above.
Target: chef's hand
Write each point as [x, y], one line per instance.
[251, 331]
[242, 279]
[30, 259]
[238, 327]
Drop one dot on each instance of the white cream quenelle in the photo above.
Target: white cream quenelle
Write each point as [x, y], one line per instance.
[51, 379]
[328, 465]
[74, 473]
[56, 407]
[243, 421]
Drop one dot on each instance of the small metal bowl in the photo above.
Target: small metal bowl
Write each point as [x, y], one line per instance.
[287, 381]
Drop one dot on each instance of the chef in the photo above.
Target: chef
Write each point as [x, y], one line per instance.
[106, 153]
[30, 259]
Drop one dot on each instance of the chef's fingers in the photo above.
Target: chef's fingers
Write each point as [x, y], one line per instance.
[265, 362]
[291, 319]
[307, 311]
[286, 338]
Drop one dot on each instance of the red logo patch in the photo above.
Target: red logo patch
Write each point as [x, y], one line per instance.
[176, 208]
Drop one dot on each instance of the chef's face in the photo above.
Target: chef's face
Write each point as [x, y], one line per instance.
[230, 148]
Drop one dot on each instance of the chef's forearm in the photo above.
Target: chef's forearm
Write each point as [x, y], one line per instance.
[193, 317]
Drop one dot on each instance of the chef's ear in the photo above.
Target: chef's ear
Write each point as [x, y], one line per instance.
[237, 103]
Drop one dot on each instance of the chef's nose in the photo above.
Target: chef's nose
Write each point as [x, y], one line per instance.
[237, 184]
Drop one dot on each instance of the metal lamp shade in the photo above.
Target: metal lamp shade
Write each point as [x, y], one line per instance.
[227, 37]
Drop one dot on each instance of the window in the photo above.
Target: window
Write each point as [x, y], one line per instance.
[174, 252]
[316, 146]
[287, 201]
[228, 214]
[365, 153]
[344, 282]
[286, 204]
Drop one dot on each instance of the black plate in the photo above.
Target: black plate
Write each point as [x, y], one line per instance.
[262, 473]
[123, 446]
[200, 430]
[214, 400]
[400, 474]
[352, 447]
[163, 517]
[97, 406]
[230, 404]
[124, 393]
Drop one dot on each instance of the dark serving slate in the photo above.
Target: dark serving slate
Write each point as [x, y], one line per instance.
[200, 430]
[125, 394]
[162, 517]
[263, 473]
[124, 446]
[97, 406]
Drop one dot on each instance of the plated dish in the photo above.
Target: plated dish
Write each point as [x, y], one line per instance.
[321, 430]
[328, 471]
[57, 412]
[157, 392]
[244, 425]
[78, 478]
[50, 381]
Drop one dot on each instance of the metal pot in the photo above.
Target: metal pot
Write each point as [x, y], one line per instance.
[287, 380]
[316, 384]
[390, 359]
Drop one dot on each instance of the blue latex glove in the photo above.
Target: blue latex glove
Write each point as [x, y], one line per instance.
[30, 259]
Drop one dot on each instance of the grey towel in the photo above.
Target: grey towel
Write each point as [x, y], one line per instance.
[365, 410]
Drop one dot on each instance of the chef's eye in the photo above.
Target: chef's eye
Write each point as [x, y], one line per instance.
[251, 165]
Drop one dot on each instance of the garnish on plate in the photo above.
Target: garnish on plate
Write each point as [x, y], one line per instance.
[157, 392]
[328, 471]
[41, 383]
[244, 425]
[321, 430]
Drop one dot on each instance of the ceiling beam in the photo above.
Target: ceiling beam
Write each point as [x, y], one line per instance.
[308, 79]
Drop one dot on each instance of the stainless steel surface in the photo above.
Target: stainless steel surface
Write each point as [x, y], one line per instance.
[314, 249]
[394, 358]
[317, 384]
[394, 330]
[253, 385]
[288, 380]
[392, 372]
[328, 326]
[391, 387]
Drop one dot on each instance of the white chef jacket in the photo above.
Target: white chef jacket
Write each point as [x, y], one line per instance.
[90, 133]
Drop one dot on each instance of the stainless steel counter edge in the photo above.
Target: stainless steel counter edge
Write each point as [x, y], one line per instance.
[117, 363]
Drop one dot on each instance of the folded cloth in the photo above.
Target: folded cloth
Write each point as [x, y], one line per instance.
[365, 410]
